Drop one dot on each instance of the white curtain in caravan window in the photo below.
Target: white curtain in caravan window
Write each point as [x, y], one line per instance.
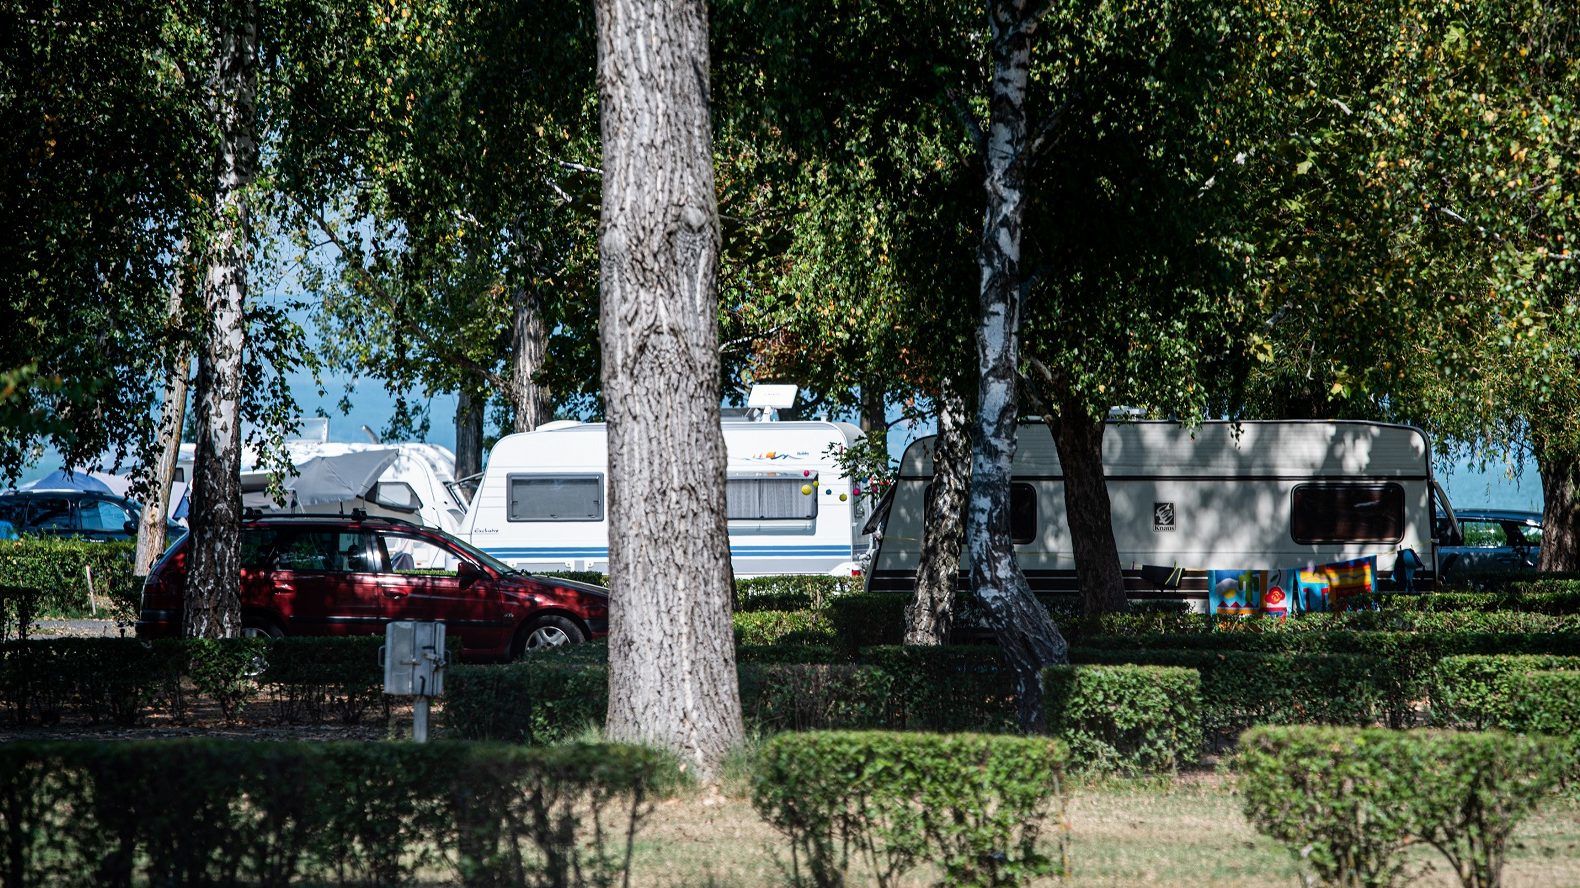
[768, 499]
[556, 498]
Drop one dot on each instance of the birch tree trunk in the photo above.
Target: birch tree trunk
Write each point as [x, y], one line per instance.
[930, 617]
[1079, 440]
[672, 680]
[1560, 510]
[1026, 632]
[213, 608]
[172, 416]
[468, 434]
[529, 346]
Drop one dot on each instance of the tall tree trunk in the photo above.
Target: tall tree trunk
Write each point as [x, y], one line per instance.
[1026, 632]
[874, 413]
[172, 416]
[1079, 440]
[468, 434]
[529, 346]
[1560, 510]
[213, 591]
[930, 617]
[672, 680]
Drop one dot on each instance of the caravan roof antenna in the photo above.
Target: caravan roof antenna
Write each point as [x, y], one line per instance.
[770, 399]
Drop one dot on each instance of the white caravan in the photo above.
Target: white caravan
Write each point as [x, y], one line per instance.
[540, 505]
[417, 485]
[1221, 496]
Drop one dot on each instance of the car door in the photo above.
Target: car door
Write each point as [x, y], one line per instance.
[51, 516]
[1485, 546]
[103, 519]
[325, 576]
[420, 582]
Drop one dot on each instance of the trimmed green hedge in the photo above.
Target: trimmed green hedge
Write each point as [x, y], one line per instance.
[973, 805]
[1125, 718]
[1539, 694]
[194, 812]
[125, 679]
[798, 627]
[54, 569]
[1347, 802]
[791, 592]
[1244, 688]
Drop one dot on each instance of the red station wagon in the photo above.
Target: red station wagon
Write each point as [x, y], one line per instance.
[349, 575]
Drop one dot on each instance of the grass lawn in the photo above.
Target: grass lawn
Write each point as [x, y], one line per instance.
[1189, 831]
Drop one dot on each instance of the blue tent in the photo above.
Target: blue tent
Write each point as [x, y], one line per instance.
[61, 480]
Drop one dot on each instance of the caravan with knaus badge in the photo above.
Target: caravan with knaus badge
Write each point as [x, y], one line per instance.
[1221, 496]
[542, 503]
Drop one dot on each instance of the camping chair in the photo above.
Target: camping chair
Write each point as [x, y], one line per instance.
[1163, 579]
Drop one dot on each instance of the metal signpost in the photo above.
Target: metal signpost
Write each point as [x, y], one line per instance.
[413, 661]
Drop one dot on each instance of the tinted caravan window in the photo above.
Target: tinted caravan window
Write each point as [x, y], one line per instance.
[1022, 511]
[1346, 513]
[555, 498]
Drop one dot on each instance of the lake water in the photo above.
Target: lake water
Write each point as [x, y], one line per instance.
[1468, 485]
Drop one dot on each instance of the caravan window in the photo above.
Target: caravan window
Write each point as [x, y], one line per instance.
[771, 499]
[555, 498]
[1346, 513]
[1022, 511]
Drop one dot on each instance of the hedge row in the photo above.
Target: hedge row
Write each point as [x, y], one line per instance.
[123, 680]
[53, 576]
[791, 592]
[1347, 802]
[1553, 597]
[972, 805]
[1125, 718]
[203, 812]
[1529, 693]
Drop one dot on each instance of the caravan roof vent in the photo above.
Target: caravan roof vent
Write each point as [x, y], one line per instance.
[559, 424]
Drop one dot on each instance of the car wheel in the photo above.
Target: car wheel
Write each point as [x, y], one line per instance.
[262, 630]
[549, 632]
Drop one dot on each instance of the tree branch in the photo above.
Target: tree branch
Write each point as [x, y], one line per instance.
[375, 286]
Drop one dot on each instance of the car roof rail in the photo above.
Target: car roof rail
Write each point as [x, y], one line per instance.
[359, 515]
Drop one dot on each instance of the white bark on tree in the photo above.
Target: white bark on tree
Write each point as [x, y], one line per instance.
[529, 346]
[213, 606]
[672, 679]
[1026, 632]
[930, 616]
[172, 416]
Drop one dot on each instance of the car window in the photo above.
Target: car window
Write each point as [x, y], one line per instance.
[102, 516]
[333, 551]
[405, 554]
[1532, 534]
[1484, 534]
[258, 548]
[13, 510]
[51, 515]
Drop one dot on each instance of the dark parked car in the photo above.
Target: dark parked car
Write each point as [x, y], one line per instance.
[349, 575]
[74, 513]
[1492, 540]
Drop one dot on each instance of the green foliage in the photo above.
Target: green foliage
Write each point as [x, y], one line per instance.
[536, 702]
[595, 577]
[224, 669]
[55, 568]
[315, 679]
[769, 627]
[948, 688]
[1552, 597]
[1348, 801]
[814, 696]
[99, 677]
[868, 619]
[1127, 718]
[217, 812]
[1241, 688]
[790, 592]
[971, 804]
[1517, 693]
